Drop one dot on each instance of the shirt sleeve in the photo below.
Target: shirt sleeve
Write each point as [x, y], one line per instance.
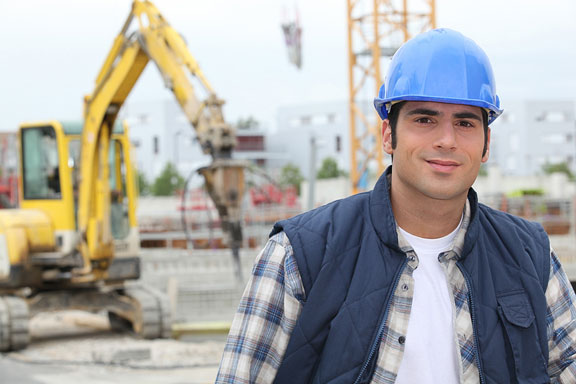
[561, 321]
[265, 318]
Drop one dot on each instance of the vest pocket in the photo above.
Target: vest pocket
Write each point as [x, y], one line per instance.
[517, 316]
[517, 309]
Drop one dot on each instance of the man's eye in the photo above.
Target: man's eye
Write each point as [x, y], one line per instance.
[424, 120]
[466, 124]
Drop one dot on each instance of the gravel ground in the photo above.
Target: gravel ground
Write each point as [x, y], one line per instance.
[83, 343]
[84, 338]
[112, 349]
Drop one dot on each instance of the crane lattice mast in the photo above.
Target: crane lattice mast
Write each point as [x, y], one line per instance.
[376, 28]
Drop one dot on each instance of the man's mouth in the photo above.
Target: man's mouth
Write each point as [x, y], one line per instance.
[443, 165]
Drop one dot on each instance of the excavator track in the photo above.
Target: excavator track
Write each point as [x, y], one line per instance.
[153, 318]
[14, 319]
[139, 308]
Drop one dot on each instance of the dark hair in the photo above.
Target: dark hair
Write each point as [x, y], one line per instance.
[395, 112]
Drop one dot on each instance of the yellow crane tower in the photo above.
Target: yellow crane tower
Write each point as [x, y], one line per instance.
[376, 28]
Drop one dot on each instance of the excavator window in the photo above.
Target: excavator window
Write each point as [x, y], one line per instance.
[119, 221]
[40, 165]
[74, 165]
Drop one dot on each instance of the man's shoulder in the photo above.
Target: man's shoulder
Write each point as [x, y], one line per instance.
[506, 219]
[348, 215]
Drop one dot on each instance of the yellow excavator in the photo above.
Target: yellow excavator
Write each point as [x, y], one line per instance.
[73, 243]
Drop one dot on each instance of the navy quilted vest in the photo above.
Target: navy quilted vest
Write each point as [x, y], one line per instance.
[348, 256]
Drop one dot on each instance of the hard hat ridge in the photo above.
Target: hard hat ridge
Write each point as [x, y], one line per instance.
[444, 66]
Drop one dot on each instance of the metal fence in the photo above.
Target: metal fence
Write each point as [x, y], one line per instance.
[200, 284]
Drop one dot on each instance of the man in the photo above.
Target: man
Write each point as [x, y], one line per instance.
[414, 281]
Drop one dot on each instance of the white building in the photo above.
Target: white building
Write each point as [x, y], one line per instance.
[296, 125]
[531, 134]
[161, 134]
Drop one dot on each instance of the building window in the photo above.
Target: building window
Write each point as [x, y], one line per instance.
[555, 138]
[156, 145]
[41, 170]
[142, 119]
[552, 117]
[320, 120]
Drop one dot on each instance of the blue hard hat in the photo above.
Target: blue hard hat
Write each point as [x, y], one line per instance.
[441, 65]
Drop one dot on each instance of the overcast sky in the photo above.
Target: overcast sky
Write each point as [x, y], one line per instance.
[51, 51]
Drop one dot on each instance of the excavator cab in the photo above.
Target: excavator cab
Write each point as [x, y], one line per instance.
[51, 177]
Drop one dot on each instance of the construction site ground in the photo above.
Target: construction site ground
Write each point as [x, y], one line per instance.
[76, 347]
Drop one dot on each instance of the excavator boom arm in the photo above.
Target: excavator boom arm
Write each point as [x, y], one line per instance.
[153, 39]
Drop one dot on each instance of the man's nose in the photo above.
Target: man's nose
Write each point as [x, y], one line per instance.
[446, 136]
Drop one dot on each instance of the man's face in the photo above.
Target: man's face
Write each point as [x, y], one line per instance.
[438, 150]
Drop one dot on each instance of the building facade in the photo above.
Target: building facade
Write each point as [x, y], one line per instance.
[310, 133]
[531, 134]
[161, 134]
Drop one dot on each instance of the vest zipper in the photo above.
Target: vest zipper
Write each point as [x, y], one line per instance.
[376, 341]
[473, 316]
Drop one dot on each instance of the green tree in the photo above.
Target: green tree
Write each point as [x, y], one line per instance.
[143, 184]
[168, 182]
[247, 123]
[329, 169]
[290, 175]
[558, 168]
[483, 170]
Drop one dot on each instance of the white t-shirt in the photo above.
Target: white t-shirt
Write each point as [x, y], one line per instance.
[431, 353]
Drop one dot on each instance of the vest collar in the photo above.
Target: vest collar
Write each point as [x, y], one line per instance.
[381, 213]
[474, 226]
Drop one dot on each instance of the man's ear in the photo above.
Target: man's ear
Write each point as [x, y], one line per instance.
[387, 137]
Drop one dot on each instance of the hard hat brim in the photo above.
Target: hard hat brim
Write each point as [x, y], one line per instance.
[381, 104]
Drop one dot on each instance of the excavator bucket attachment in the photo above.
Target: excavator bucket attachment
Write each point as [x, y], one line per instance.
[225, 184]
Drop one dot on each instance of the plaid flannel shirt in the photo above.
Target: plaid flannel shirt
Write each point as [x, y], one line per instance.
[271, 304]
